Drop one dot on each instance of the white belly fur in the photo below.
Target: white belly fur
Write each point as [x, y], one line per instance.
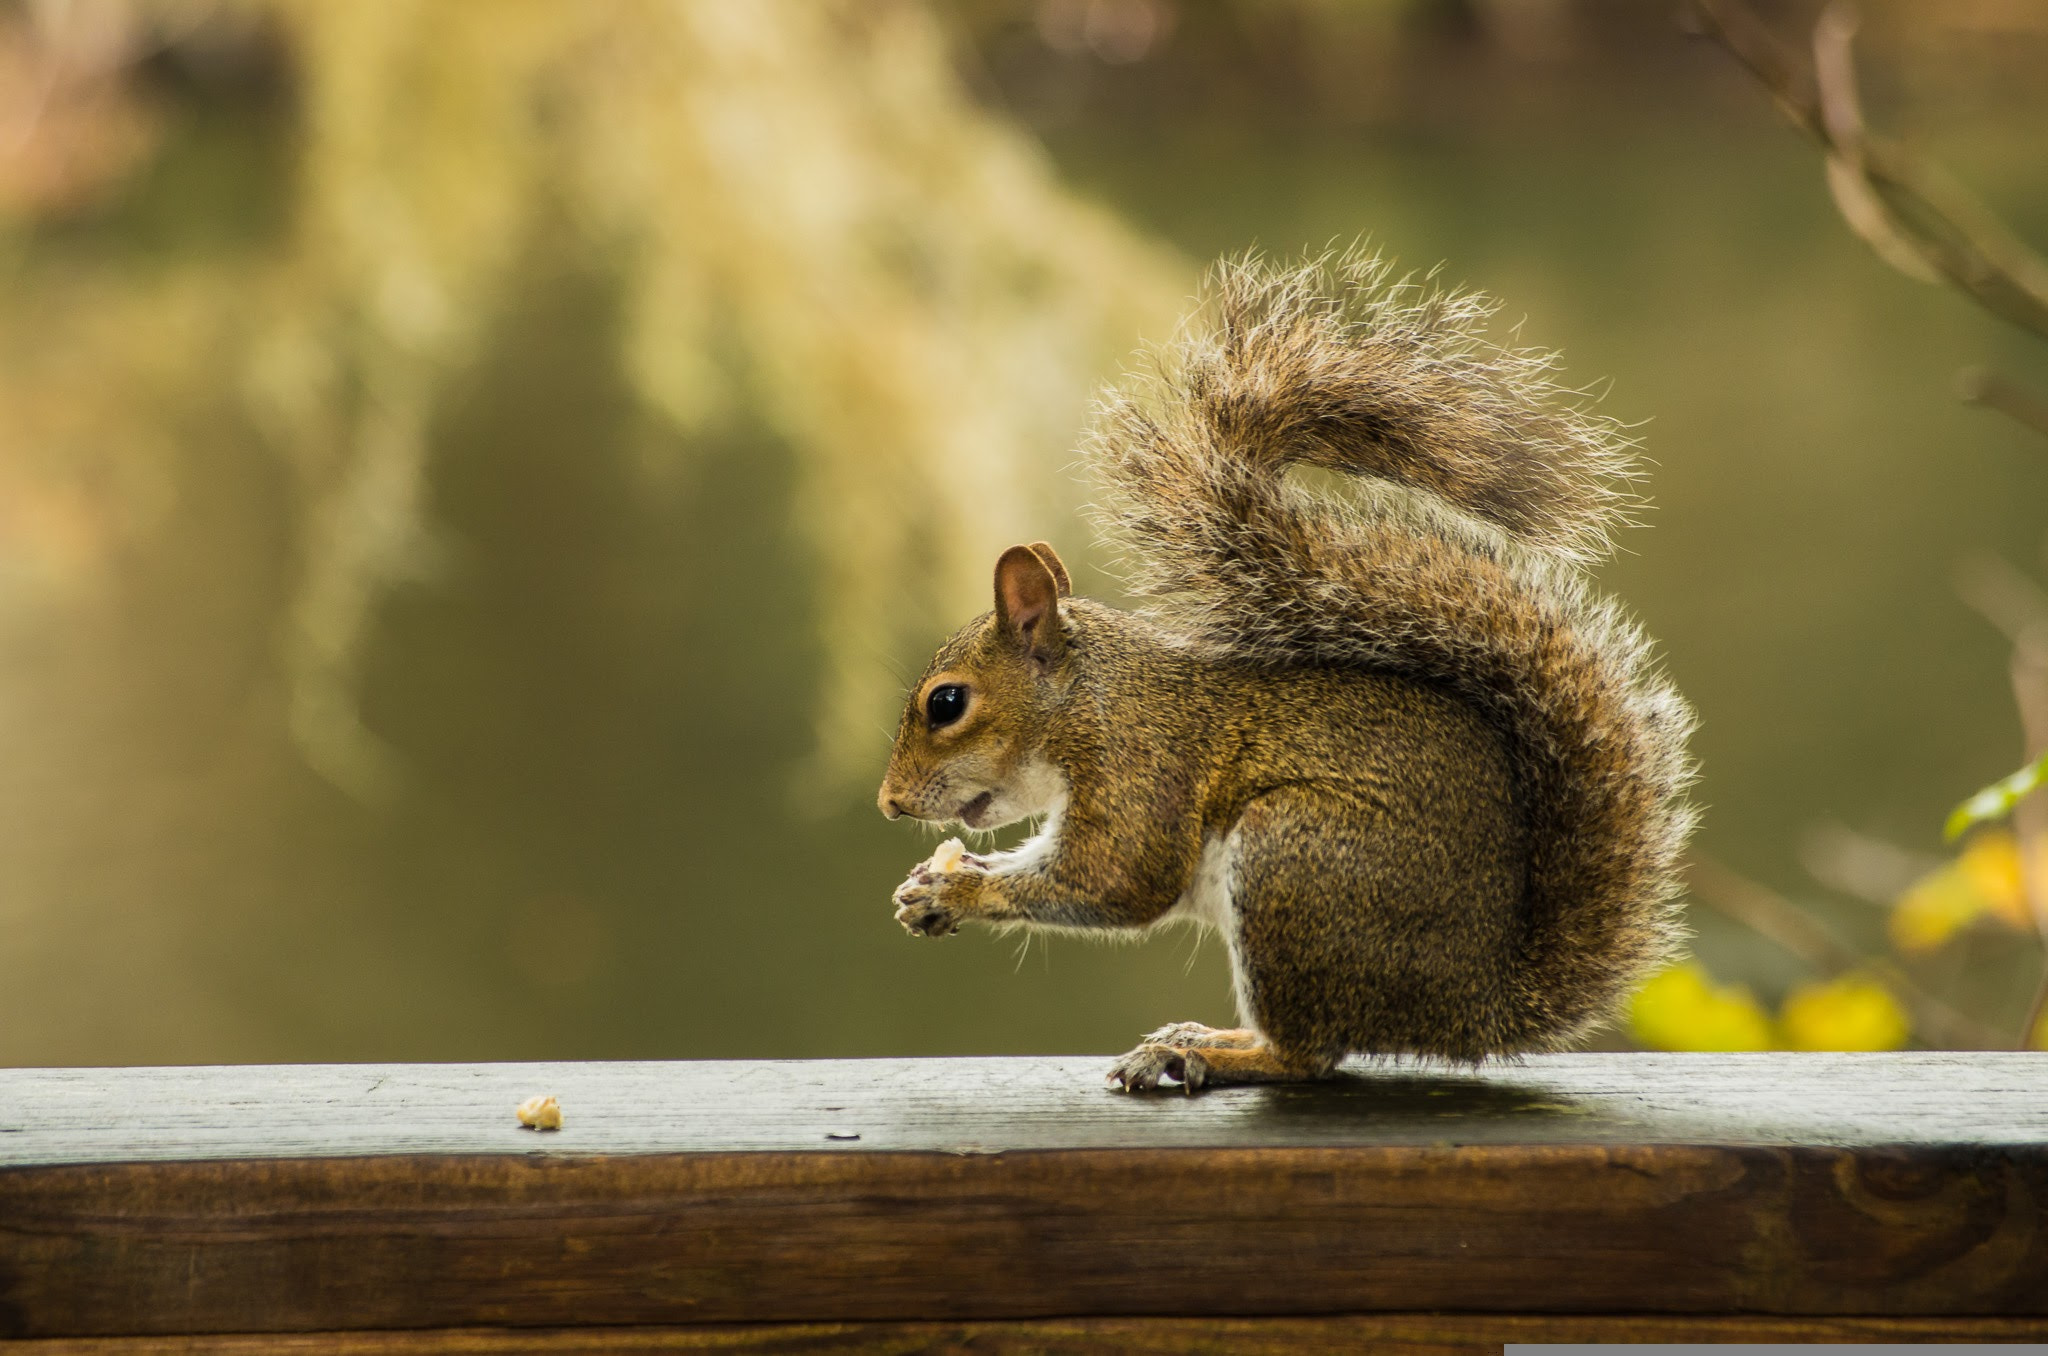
[1206, 901]
[1209, 902]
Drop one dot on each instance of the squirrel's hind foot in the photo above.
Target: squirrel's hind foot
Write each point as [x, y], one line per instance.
[1195, 1036]
[1143, 1069]
[1195, 1056]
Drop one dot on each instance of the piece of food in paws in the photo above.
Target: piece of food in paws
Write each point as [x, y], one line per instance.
[540, 1113]
[948, 856]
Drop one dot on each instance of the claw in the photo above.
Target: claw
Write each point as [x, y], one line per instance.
[1142, 1068]
[917, 913]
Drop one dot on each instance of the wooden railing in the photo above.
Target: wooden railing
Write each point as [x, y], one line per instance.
[1016, 1203]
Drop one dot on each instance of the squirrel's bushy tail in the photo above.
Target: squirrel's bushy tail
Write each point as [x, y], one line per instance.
[1454, 562]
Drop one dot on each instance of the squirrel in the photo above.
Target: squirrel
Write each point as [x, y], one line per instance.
[1374, 728]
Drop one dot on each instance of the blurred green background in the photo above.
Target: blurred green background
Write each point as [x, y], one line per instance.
[473, 479]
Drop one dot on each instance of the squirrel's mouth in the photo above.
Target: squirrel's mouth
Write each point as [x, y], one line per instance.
[975, 811]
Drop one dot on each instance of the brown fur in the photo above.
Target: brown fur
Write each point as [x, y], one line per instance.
[1436, 777]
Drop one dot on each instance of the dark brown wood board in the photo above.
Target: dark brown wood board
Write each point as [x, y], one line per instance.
[324, 1198]
[1381, 1334]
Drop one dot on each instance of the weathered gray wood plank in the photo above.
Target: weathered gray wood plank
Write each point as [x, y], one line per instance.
[50, 1116]
[356, 1198]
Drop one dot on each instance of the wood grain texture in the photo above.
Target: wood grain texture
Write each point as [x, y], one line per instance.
[1395, 1334]
[295, 1200]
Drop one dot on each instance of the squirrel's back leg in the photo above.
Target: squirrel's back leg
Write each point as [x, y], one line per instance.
[1375, 920]
[1356, 922]
[1195, 1036]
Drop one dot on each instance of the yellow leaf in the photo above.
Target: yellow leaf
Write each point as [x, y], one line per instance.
[1986, 878]
[1937, 906]
[1682, 1009]
[1853, 1012]
[1991, 863]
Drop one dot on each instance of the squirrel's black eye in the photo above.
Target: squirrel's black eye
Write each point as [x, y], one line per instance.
[945, 705]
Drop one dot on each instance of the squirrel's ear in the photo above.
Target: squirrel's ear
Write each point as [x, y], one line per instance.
[1043, 550]
[1027, 602]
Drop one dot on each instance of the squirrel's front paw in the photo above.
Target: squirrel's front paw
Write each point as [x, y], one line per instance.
[1141, 1070]
[920, 911]
[930, 903]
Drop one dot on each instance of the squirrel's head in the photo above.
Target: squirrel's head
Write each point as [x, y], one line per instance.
[969, 747]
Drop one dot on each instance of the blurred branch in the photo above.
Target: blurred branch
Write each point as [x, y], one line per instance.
[1848, 168]
[1995, 390]
[1770, 915]
[2002, 595]
[2018, 606]
[1860, 866]
[2030, 816]
[1911, 212]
